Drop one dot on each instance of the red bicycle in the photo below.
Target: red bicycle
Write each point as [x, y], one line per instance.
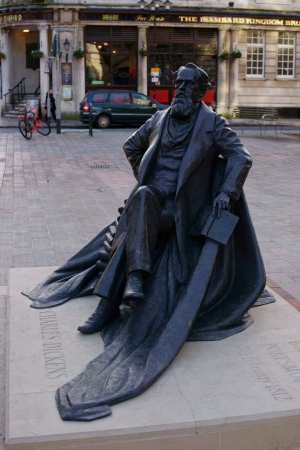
[30, 122]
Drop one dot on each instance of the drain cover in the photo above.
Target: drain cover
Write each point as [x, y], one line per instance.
[103, 166]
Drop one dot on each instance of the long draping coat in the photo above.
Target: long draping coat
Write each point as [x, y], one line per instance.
[199, 289]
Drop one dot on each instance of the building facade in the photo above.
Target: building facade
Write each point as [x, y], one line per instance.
[250, 49]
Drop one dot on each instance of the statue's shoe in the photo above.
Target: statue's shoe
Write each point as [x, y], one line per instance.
[105, 313]
[134, 285]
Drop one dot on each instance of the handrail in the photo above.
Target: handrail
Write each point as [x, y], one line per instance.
[20, 87]
[37, 91]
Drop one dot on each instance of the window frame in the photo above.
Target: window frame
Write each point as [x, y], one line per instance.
[287, 46]
[258, 45]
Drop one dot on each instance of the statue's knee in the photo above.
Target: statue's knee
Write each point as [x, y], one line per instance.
[142, 191]
[148, 194]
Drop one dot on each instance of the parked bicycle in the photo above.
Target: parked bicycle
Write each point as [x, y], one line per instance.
[30, 122]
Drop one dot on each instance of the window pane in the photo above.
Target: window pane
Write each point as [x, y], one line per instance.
[110, 63]
[286, 54]
[99, 97]
[139, 99]
[255, 53]
[163, 48]
[98, 68]
[207, 63]
[119, 97]
[183, 48]
[206, 49]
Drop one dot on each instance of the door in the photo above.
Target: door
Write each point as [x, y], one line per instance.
[121, 107]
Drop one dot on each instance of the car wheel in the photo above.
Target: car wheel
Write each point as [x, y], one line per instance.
[103, 121]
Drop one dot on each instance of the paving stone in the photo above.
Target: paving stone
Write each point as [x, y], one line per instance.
[52, 203]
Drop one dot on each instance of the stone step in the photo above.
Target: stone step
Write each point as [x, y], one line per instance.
[12, 116]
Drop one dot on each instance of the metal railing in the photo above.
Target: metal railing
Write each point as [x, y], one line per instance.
[16, 93]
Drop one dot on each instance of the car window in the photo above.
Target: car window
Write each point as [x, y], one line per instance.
[119, 97]
[139, 99]
[99, 97]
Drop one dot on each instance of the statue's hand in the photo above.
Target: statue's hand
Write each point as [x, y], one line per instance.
[221, 202]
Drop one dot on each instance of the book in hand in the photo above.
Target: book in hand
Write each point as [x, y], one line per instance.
[219, 229]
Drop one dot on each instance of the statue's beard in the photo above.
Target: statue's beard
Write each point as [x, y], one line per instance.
[182, 107]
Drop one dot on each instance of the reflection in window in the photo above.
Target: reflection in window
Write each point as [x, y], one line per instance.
[111, 63]
[187, 46]
[139, 99]
[119, 97]
[286, 54]
[255, 53]
[100, 97]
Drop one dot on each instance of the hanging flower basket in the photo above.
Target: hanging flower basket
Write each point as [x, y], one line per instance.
[37, 54]
[224, 55]
[2, 55]
[143, 51]
[79, 53]
[236, 54]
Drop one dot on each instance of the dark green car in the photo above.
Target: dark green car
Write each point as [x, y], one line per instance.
[118, 107]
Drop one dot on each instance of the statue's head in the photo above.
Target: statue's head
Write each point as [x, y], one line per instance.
[192, 79]
[191, 83]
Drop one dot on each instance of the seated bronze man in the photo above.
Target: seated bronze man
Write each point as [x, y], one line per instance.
[152, 210]
[183, 254]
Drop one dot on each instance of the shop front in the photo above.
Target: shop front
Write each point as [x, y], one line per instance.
[115, 55]
[252, 58]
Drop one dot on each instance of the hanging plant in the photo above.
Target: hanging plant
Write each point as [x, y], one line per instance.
[143, 51]
[236, 54]
[2, 55]
[79, 53]
[224, 55]
[37, 54]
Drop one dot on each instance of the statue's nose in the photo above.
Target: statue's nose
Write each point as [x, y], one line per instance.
[182, 86]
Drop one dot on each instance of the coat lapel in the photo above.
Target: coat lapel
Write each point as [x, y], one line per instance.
[155, 138]
[199, 144]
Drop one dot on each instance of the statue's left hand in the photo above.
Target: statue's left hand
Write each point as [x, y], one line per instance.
[221, 202]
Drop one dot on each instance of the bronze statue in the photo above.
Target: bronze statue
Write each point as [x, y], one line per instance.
[183, 254]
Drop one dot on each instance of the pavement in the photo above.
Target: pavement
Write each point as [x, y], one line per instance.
[57, 192]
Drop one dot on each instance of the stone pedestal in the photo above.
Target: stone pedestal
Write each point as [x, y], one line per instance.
[242, 393]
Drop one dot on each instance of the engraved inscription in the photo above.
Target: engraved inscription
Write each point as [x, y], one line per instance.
[284, 361]
[296, 345]
[277, 391]
[52, 348]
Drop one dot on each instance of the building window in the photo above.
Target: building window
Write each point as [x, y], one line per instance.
[32, 63]
[255, 53]
[111, 57]
[170, 48]
[286, 54]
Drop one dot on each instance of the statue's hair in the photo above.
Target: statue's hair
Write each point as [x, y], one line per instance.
[202, 76]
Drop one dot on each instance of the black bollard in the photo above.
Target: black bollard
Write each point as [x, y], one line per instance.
[90, 120]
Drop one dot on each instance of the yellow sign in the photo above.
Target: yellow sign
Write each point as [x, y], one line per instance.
[12, 17]
[155, 71]
[110, 16]
[141, 18]
[239, 20]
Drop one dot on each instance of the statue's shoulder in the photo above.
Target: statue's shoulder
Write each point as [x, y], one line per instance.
[212, 118]
[159, 115]
[157, 119]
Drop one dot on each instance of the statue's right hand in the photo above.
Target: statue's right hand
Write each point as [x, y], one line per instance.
[221, 202]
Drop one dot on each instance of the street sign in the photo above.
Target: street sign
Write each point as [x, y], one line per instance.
[47, 68]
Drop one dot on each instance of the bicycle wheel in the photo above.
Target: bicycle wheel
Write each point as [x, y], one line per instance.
[42, 127]
[25, 129]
